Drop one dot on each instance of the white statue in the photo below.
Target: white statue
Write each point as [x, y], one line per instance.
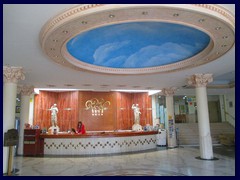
[136, 113]
[54, 111]
[136, 126]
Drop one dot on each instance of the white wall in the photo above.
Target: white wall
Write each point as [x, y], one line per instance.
[230, 107]
[18, 104]
[154, 109]
[31, 109]
[222, 107]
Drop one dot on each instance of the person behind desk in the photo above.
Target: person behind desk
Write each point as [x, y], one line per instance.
[80, 128]
[53, 129]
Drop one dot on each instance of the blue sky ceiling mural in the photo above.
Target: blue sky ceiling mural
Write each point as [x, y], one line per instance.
[137, 44]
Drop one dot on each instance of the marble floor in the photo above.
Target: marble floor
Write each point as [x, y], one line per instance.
[179, 161]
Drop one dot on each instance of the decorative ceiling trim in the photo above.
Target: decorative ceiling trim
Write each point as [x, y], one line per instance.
[214, 20]
[213, 86]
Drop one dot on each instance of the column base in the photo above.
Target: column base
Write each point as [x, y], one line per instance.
[213, 159]
[13, 173]
[171, 147]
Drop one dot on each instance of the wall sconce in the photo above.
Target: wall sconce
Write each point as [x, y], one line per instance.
[68, 109]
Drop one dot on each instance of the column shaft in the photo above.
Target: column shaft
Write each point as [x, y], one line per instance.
[24, 116]
[9, 105]
[171, 122]
[154, 113]
[205, 140]
[11, 76]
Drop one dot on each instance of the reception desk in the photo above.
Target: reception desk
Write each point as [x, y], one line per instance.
[102, 142]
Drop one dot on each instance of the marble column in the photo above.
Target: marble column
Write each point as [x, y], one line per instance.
[154, 113]
[171, 133]
[25, 92]
[11, 75]
[200, 81]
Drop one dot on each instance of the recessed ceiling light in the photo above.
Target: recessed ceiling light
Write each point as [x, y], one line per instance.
[121, 85]
[104, 85]
[136, 86]
[51, 85]
[201, 20]
[68, 85]
[111, 16]
[87, 85]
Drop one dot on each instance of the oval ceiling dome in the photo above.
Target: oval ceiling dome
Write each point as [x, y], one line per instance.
[138, 38]
[137, 44]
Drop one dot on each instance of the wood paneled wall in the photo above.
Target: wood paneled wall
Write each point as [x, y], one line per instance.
[125, 117]
[42, 103]
[67, 103]
[71, 105]
[107, 121]
[68, 110]
[145, 104]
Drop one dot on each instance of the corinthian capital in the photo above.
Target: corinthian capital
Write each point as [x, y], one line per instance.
[168, 91]
[25, 90]
[200, 80]
[13, 74]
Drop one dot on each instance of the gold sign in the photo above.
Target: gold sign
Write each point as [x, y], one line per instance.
[97, 106]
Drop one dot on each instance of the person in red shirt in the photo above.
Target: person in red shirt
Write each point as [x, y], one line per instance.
[80, 128]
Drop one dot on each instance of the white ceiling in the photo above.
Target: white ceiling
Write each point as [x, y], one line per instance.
[22, 24]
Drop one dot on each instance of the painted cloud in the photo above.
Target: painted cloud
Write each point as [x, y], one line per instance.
[137, 44]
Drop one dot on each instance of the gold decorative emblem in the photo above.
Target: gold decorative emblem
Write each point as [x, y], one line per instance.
[97, 106]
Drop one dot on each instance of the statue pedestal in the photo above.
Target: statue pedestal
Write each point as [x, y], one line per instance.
[137, 127]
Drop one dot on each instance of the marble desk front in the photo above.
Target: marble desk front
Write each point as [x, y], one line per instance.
[94, 143]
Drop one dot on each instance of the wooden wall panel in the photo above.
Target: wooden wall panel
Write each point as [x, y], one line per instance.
[107, 121]
[42, 103]
[71, 105]
[145, 105]
[124, 111]
[66, 118]
[125, 117]
[139, 98]
[68, 110]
